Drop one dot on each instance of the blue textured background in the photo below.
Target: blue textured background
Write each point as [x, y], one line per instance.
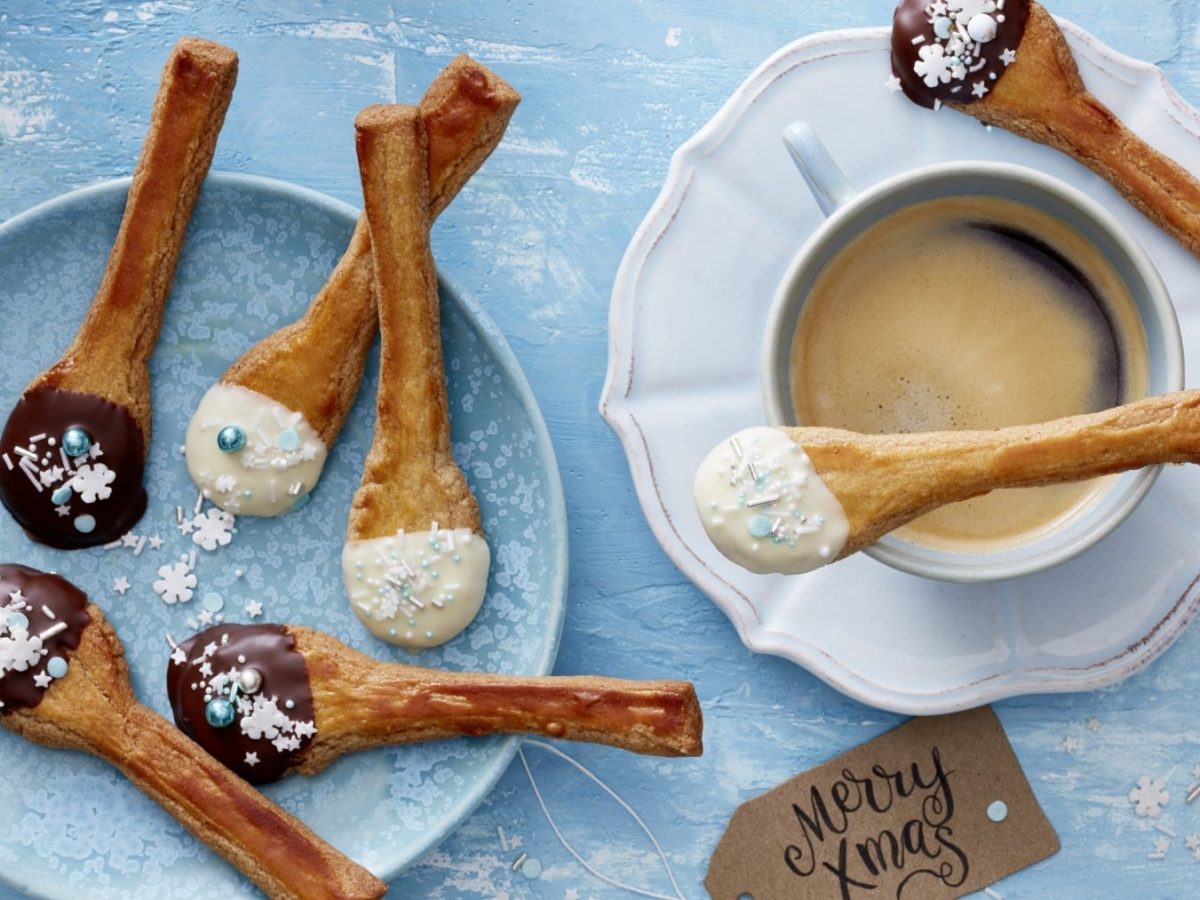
[610, 88]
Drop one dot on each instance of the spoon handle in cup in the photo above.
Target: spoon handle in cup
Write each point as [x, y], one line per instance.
[884, 481]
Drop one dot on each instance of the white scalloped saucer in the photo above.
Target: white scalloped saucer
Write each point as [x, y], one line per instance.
[685, 330]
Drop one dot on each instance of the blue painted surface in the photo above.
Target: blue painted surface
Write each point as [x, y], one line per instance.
[610, 90]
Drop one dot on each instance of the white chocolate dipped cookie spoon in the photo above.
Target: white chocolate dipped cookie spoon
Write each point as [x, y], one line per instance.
[258, 440]
[790, 500]
[415, 561]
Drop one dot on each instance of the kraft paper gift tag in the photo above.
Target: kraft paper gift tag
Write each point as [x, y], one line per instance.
[936, 808]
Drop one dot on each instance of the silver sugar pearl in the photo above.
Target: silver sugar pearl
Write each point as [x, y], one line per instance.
[249, 681]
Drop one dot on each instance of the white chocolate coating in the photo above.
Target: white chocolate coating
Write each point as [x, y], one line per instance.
[417, 589]
[276, 469]
[764, 506]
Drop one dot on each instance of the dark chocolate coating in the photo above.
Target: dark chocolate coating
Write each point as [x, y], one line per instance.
[50, 411]
[270, 650]
[41, 591]
[912, 20]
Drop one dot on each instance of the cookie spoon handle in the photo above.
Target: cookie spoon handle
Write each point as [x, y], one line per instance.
[122, 324]
[363, 703]
[884, 481]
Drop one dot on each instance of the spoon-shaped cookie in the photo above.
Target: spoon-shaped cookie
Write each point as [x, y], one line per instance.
[793, 499]
[259, 438]
[1008, 64]
[267, 700]
[72, 452]
[64, 683]
[415, 561]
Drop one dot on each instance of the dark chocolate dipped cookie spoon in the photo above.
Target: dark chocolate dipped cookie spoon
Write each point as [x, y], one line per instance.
[64, 683]
[1006, 63]
[73, 449]
[270, 699]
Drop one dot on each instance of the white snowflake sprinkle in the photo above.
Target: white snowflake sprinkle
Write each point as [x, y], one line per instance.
[214, 528]
[934, 66]
[175, 583]
[265, 719]
[91, 482]
[1150, 796]
[19, 650]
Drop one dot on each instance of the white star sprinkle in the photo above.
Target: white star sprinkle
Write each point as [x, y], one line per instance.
[1161, 844]
[16, 597]
[155, 542]
[254, 609]
[120, 584]
[63, 510]
[1008, 57]
[42, 680]
[893, 84]
[515, 841]
[206, 668]
[252, 759]
[1071, 745]
[129, 539]
[1192, 841]
[179, 657]
[980, 89]
[205, 617]
[1093, 724]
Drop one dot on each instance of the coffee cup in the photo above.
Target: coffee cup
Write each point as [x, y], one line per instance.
[970, 295]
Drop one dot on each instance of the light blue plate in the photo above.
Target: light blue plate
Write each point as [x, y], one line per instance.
[256, 252]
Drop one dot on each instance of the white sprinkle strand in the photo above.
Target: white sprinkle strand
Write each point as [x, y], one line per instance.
[56, 628]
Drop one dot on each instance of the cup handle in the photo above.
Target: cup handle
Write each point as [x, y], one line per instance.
[827, 182]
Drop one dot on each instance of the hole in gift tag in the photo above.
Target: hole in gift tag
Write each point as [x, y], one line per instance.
[997, 811]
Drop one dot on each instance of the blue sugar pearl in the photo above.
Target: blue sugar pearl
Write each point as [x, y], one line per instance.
[532, 868]
[62, 495]
[219, 713]
[85, 524]
[759, 526]
[213, 601]
[56, 667]
[76, 441]
[231, 439]
[288, 440]
[18, 621]
[997, 811]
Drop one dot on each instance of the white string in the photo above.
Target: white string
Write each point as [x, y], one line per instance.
[678, 895]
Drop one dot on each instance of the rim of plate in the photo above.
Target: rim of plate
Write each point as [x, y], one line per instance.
[496, 344]
[618, 388]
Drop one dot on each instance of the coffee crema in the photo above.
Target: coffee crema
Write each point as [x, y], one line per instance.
[969, 313]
